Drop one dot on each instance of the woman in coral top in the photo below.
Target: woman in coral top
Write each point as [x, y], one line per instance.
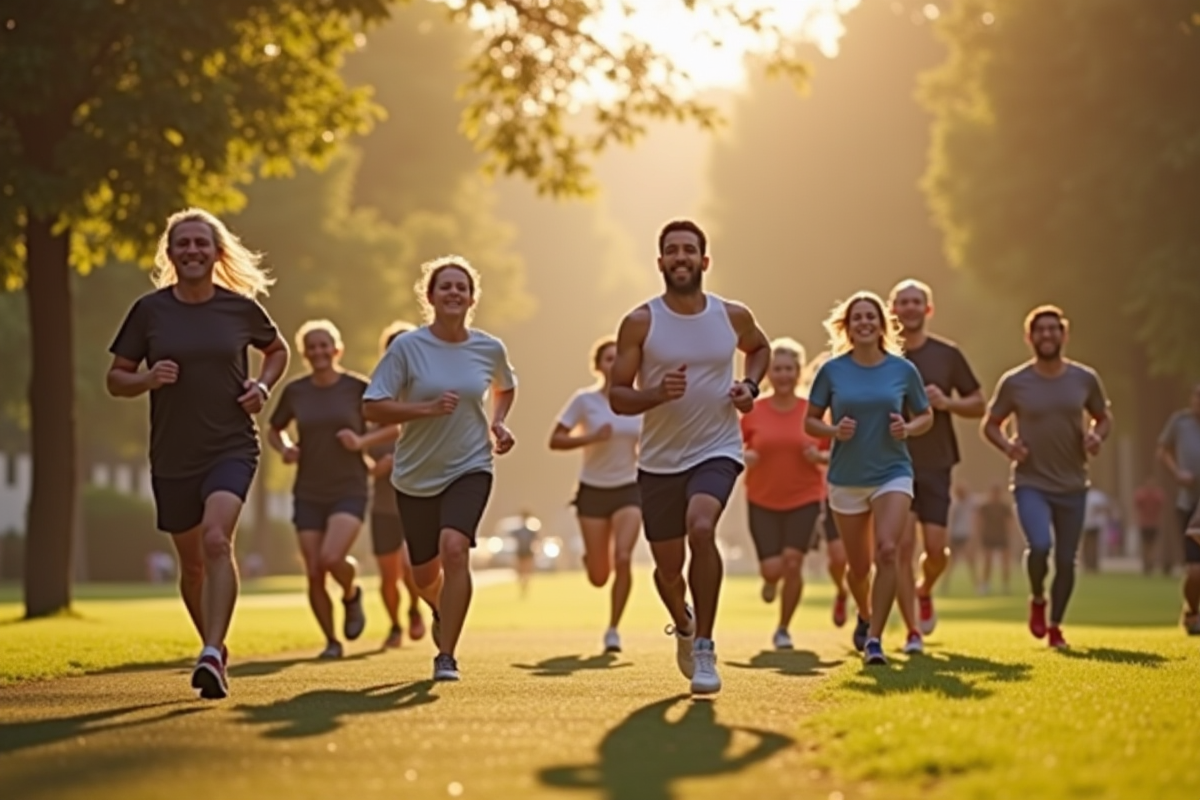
[785, 489]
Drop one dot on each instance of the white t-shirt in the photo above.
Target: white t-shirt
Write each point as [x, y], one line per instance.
[613, 462]
[1095, 513]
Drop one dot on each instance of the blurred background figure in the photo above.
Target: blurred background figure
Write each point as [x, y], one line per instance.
[1148, 500]
[1097, 516]
[964, 545]
[525, 535]
[995, 520]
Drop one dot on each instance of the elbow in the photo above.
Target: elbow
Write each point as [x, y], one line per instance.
[371, 412]
[110, 386]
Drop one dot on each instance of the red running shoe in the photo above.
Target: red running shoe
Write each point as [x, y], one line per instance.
[1056, 638]
[1037, 618]
[839, 610]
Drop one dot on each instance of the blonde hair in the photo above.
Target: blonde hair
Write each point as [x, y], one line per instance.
[430, 271]
[790, 346]
[318, 325]
[911, 283]
[838, 322]
[392, 331]
[238, 268]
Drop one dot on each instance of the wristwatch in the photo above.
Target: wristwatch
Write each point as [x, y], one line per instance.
[262, 387]
[752, 386]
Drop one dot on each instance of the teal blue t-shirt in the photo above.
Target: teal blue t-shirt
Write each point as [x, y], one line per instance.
[869, 396]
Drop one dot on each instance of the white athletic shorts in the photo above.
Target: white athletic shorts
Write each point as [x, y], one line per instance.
[857, 499]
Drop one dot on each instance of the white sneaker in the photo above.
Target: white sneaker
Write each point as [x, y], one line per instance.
[612, 641]
[684, 643]
[705, 680]
[783, 640]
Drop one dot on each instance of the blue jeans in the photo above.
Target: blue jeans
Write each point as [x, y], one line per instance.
[1051, 522]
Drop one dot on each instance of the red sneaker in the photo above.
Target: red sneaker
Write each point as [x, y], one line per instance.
[839, 610]
[1056, 638]
[1037, 618]
[926, 613]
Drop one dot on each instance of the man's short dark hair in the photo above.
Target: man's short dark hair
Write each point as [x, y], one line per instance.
[683, 225]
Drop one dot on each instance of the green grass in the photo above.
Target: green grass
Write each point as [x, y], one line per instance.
[989, 713]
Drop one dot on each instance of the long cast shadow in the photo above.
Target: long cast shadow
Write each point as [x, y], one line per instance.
[16, 736]
[325, 710]
[243, 669]
[562, 666]
[644, 756]
[951, 675]
[793, 663]
[1111, 655]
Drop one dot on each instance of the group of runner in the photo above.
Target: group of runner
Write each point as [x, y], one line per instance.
[861, 461]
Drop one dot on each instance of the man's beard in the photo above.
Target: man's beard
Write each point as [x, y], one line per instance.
[691, 287]
[1052, 355]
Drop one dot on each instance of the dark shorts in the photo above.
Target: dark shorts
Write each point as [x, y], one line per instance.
[459, 507]
[665, 498]
[596, 503]
[179, 502]
[313, 515]
[931, 496]
[1191, 548]
[829, 525]
[387, 533]
[775, 531]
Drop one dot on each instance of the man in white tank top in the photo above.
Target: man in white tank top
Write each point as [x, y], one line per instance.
[679, 348]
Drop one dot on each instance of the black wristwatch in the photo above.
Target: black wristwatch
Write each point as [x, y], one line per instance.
[752, 386]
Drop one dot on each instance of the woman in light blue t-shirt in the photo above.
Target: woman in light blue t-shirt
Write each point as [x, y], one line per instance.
[868, 389]
[434, 381]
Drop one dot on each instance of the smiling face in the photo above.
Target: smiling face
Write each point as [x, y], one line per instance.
[864, 323]
[784, 373]
[193, 251]
[912, 308]
[451, 293]
[682, 262]
[320, 350]
[1047, 335]
[605, 360]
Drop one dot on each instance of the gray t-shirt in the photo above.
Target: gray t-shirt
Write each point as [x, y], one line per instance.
[1181, 437]
[418, 367]
[1049, 414]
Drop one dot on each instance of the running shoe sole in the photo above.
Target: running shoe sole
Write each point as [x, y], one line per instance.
[208, 680]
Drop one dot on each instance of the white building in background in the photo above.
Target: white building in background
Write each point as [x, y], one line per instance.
[16, 477]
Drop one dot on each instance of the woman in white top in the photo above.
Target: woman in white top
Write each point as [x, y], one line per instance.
[608, 502]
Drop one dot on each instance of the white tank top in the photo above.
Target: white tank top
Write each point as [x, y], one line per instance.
[703, 424]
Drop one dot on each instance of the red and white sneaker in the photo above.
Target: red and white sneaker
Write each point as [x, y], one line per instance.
[1056, 638]
[1037, 618]
[839, 610]
[926, 615]
[209, 675]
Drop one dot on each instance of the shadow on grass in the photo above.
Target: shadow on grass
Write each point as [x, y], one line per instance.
[793, 663]
[243, 669]
[1110, 655]
[950, 675]
[16, 736]
[324, 710]
[647, 752]
[562, 666]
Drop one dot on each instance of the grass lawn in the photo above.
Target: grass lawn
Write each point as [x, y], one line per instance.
[989, 713]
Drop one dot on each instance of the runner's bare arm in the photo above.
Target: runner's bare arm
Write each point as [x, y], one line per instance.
[972, 406]
[751, 340]
[623, 397]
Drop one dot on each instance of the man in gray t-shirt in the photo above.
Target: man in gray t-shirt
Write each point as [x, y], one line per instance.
[1049, 398]
[1179, 450]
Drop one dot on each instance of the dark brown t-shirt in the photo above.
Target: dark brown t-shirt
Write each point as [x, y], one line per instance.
[197, 422]
[943, 365]
[327, 471]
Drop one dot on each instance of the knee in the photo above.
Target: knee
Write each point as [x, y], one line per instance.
[771, 570]
[792, 563]
[702, 531]
[887, 554]
[328, 562]
[597, 575]
[216, 544]
[1193, 573]
[455, 551]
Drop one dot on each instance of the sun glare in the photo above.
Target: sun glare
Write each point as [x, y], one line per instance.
[707, 46]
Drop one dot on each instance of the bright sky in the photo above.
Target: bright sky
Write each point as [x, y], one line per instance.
[686, 35]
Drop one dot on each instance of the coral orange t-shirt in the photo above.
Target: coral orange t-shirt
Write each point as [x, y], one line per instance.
[782, 479]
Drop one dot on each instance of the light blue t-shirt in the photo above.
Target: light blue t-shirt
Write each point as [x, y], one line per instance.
[418, 367]
[869, 396]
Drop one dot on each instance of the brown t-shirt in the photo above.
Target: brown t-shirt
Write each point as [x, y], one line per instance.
[196, 422]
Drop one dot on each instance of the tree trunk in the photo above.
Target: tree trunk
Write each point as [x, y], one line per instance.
[54, 492]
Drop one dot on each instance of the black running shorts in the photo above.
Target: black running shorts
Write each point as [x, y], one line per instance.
[665, 498]
[458, 507]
